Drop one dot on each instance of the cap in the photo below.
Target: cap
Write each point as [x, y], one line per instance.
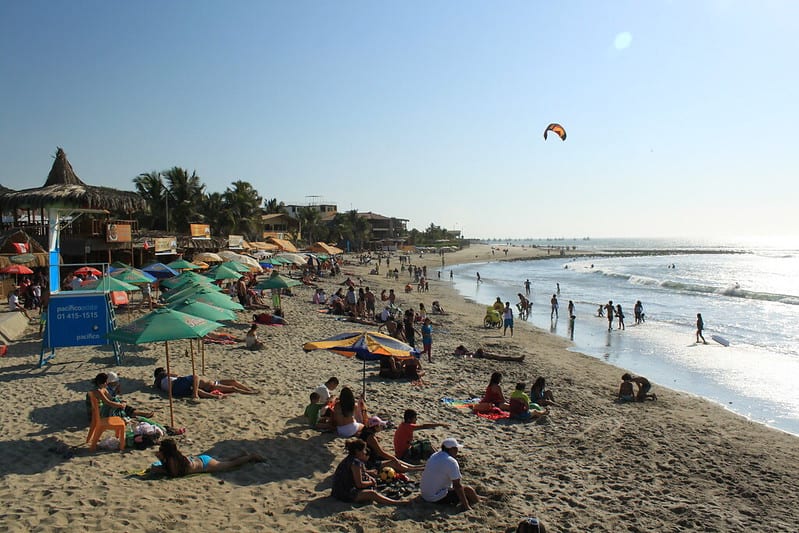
[451, 443]
[375, 421]
[112, 377]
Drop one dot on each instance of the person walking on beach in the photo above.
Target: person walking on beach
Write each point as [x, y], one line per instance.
[609, 310]
[507, 319]
[700, 325]
[620, 316]
[527, 288]
[571, 308]
[478, 277]
[554, 303]
[427, 339]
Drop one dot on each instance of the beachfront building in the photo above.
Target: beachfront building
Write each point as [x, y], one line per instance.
[388, 233]
[279, 226]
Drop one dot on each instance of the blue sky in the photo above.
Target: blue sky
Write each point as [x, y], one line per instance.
[681, 115]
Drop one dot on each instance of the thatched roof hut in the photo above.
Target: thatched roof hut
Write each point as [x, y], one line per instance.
[64, 188]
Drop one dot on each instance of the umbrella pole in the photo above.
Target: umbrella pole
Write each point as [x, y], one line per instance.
[363, 392]
[168, 373]
[202, 352]
[191, 348]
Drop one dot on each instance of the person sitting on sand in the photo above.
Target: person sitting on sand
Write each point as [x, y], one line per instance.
[198, 387]
[352, 482]
[347, 416]
[480, 353]
[441, 480]
[392, 328]
[436, 308]
[519, 405]
[175, 464]
[493, 396]
[390, 368]
[405, 447]
[268, 319]
[378, 457]
[626, 389]
[251, 339]
[539, 393]
[412, 368]
[644, 386]
[110, 404]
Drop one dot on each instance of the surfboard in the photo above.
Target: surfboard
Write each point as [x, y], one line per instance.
[721, 340]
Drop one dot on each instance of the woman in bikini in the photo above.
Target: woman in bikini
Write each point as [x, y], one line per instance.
[347, 416]
[176, 464]
[493, 396]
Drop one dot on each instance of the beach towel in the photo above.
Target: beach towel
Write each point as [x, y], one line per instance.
[495, 414]
[461, 404]
[220, 338]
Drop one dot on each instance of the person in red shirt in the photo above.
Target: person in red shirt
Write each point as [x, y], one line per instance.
[403, 437]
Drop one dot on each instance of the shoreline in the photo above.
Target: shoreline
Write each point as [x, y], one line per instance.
[681, 461]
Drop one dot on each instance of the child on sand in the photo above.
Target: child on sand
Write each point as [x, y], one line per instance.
[626, 389]
[405, 447]
[312, 413]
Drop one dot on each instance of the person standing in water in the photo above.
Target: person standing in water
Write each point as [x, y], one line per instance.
[527, 288]
[478, 278]
[700, 325]
[609, 311]
[554, 310]
[620, 316]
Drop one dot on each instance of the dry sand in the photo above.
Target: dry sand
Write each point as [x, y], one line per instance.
[677, 464]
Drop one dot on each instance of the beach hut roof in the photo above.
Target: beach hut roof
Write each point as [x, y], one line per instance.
[64, 188]
[283, 244]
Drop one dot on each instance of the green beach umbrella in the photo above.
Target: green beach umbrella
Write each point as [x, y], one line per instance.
[277, 281]
[202, 310]
[182, 264]
[132, 275]
[223, 273]
[204, 294]
[187, 290]
[164, 325]
[183, 278]
[235, 266]
[119, 264]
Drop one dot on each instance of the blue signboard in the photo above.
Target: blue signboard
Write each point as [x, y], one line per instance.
[77, 319]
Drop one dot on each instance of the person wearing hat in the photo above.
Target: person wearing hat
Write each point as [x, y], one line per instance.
[378, 457]
[441, 479]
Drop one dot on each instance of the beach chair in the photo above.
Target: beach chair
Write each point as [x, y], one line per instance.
[100, 425]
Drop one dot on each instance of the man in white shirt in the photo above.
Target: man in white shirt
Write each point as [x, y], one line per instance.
[14, 305]
[441, 479]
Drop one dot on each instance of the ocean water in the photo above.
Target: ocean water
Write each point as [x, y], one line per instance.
[747, 292]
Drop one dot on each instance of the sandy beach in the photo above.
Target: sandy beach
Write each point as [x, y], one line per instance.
[677, 464]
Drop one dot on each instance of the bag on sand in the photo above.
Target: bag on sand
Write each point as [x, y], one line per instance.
[420, 450]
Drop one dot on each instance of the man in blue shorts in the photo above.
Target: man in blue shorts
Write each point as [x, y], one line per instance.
[197, 387]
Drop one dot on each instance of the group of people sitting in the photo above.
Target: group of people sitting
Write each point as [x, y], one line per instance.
[520, 405]
[395, 368]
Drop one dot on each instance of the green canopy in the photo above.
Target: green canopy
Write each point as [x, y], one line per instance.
[182, 264]
[132, 275]
[203, 294]
[188, 290]
[163, 324]
[221, 273]
[277, 281]
[184, 279]
[202, 310]
[235, 266]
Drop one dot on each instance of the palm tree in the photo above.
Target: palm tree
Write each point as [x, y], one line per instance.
[185, 196]
[352, 228]
[273, 206]
[243, 204]
[310, 223]
[151, 187]
[216, 215]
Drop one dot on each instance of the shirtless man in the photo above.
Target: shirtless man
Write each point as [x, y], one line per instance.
[198, 387]
[644, 386]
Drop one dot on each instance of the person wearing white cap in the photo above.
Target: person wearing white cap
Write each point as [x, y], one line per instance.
[441, 479]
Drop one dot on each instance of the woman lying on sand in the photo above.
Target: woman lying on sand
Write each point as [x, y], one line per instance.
[176, 464]
[480, 353]
[352, 482]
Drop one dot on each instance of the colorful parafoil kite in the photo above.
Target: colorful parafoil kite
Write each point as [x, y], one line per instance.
[557, 129]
